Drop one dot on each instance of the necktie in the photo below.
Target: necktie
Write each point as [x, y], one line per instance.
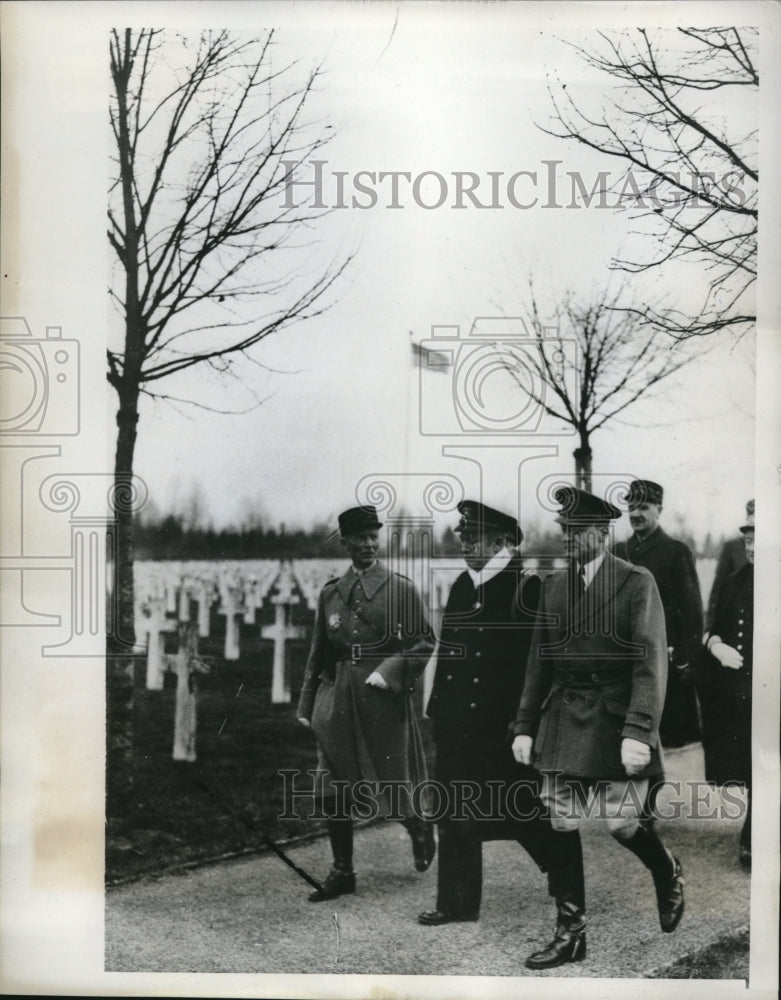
[577, 582]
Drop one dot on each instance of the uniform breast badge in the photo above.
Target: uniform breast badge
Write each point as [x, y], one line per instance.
[335, 622]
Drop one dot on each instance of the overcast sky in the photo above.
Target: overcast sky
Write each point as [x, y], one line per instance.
[413, 90]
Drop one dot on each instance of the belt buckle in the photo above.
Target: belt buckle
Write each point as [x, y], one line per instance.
[355, 651]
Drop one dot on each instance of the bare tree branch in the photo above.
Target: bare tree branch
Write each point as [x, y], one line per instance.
[691, 171]
[597, 365]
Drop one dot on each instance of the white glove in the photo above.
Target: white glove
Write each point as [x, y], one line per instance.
[522, 749]
[376, 680]
[726, 655]
[635, 755]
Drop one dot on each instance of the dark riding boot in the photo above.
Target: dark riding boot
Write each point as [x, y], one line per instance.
[566, 883]
[341, 878]
[667, 874]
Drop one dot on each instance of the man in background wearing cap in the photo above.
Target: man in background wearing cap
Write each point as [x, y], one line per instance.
[726, 685]
[371, 641]
[589, 714]
[731, 558]
[672, 565]
[483, 647]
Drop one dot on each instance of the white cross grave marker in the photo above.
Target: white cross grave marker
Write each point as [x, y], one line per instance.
[155, 623]
[187, 665]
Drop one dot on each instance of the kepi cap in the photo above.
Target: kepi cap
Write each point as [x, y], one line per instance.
[644, 491]
[358, 519]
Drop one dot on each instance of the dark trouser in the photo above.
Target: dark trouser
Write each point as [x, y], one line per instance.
[460, 868]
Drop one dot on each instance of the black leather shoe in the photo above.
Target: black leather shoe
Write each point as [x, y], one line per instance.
[669, 897]
[569, 945]
[337, 884]
[433, 918]
[424, 846]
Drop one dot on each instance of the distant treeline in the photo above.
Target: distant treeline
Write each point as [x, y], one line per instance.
[169, 538]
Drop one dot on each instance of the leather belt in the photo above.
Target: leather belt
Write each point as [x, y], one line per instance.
[590, 678]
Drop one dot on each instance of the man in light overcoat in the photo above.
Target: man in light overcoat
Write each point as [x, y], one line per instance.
[589, 714]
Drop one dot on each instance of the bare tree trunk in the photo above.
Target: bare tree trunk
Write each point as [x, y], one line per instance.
[121, 663]
[583, 479]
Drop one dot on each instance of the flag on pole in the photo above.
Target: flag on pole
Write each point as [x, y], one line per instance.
[430, 358]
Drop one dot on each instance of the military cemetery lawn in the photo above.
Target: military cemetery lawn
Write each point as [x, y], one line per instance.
[225, 800]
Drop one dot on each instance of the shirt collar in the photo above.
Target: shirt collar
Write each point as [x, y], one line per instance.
[495, 565]
[363, 572]
[590, 569]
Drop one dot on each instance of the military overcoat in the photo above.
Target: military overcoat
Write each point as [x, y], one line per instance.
[483, 647]
[726, 692]
[672, 566]
[365, 623]
[596, 674]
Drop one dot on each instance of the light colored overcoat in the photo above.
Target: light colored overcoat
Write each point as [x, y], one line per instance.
[597, 673]
[373, 622]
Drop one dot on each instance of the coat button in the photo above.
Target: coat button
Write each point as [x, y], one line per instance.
[478, 653]
[740, 621]
[450, 677]
[740, 635]
[480, 629]
[739, 647]
[452, 652]
[454, 631]
[475, 680]
[473, 705]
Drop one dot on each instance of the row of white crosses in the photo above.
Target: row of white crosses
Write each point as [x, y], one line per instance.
[164, 591]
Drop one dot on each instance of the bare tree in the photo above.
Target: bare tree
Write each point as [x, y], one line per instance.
[591, 366]
[209, 258]
[683, 122]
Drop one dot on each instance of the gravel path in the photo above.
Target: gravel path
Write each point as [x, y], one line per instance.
[252, 916]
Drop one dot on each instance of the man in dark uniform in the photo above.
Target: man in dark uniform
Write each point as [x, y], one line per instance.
[726, 685]
[590, 710]
[731, 558]
[672, 565]
[483, 647]
[371, 641]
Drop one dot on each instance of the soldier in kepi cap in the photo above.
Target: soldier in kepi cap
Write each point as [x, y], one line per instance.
[483, 647]
[589, 714]
[672, 565]
[371, 641]
[725, 684]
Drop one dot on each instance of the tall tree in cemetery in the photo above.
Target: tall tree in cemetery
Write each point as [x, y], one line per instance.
[209, 260]
[591, 366]
[683, 121]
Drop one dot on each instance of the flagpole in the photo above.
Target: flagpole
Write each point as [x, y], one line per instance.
[413, 374]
